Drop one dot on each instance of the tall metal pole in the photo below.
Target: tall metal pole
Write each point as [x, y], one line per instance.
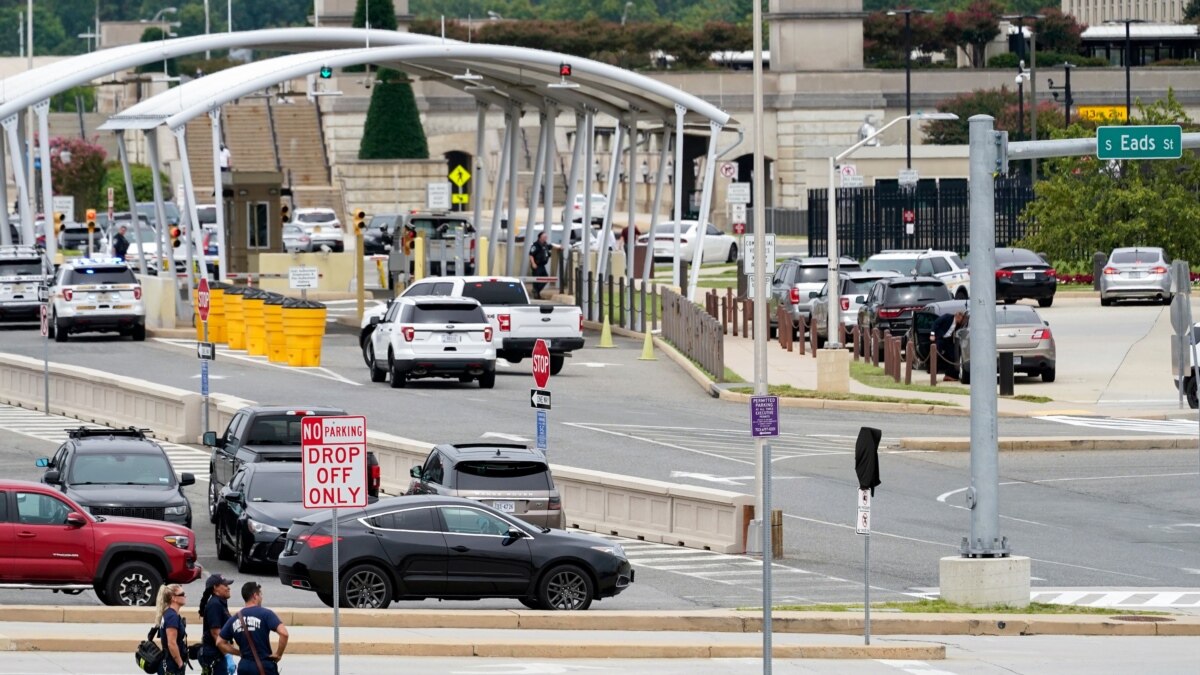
[478, 174]
[710, 170]
[762, 456]
[573, 182]
[219, 194]
[631, 207]
[42, 110]
[5, 227]
[127, 172]
[614, 167]
[166, 258]
[659, 180]
[12, 131]
[680, 112]
[207, 28]
[510, 244]
[535, 187]
[1067, 71]
[907, 92]
[1033, 100]
[498, 193]
[1128, 58]
[585, 213]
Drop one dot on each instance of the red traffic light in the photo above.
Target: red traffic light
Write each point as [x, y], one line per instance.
[564, 70]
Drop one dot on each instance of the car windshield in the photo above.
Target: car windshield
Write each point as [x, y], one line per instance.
[502, 476]
[857, 286]
[913, 294]
[1131, 257]
[275, 430]
[316, 217]
[439, 228]
[445, 313]
[99, 275]
[121, 468]
[275, 487]
[1017, 316]
[20, 268]
[496, 292]
[902, 265]
[1019, 256]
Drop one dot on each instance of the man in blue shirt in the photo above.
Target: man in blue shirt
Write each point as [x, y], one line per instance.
[250, 630]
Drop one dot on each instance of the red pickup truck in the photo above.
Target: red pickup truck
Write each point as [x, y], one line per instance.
[49, 542]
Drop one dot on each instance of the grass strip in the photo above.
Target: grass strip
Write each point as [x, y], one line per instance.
[788, 391]
[873, 376]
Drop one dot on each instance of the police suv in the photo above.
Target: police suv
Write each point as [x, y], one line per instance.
[96, 295]
[22, 270]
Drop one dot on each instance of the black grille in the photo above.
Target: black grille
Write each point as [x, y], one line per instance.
[150, 512]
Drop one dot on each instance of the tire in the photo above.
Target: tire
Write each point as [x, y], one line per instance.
[1105, 302]
[962, 295]
[377, 375]
[364, 343]
[60, 332]
[487, 380]
[565, 587]
[531, 603]
[1190, 392]
[239, 555]
[133, 584]
[138, 332]
[1045, 302]
[212, 499]
[399, 379]
[557, 361]
[366, 587]
[964, 371]
[223, 552]
[101, 592]
[733, 251]
[1048, 374]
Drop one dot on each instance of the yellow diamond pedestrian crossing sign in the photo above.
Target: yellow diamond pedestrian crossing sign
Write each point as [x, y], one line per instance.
[459, 176]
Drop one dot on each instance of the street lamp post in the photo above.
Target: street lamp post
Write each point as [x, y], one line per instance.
[1022, 76]
[1128, 59]
[834, 299]
[1068, 101]
[908, 77]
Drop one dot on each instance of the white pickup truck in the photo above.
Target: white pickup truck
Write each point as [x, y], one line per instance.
[516, 322]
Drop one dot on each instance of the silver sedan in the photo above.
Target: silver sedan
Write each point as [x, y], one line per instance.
[1136, 273]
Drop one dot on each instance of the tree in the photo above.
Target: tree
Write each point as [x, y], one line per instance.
[992, 102]
[1085, 205]
[884, 39]
[82, 176]
[381, 12]
[1058, 32]
[393, 128]
[143, 185]
[1191, 12]
[974, 28]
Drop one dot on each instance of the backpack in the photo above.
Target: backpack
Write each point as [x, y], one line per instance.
[149, 656]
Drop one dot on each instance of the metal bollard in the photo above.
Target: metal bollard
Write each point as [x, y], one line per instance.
[1006, 374]
[908, 364]
[933, 361]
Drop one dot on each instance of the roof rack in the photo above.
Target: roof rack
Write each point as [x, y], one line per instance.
[90, 432]
[516, 446]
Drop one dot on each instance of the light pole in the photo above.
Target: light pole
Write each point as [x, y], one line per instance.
[1128, 59]
[1032, 75]
[625, 12]
[1022, 76]
[834, 299]
[908, 77]
[1068, 101]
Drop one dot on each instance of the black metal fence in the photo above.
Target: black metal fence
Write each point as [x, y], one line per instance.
[871, 219]
[784, 222]
[626, 304]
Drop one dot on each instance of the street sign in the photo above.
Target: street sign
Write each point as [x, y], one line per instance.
[739, 228]
[1181, 311]
[852, 181]
[206, 351]
[110, 202]
[862, 524]
[848, 170]
[334, 454]
[543, 424]
[737, 193]
[437, 196]
[459, 176]
[864, 499]
[908, 177]
[739, 213]
[203, 299]
[64, 204]
[45, 322]
[769, 254]
[539, 398]
[909, 216]
[43, 293]
[302, 278]
[541, 365]
[1163, 141]
[1101, 113]
[764, 416]
[729, 170]
[460, 198]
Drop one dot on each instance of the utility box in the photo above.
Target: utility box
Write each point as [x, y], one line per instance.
[253, 223]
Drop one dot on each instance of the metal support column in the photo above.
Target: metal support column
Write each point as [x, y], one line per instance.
[548, 176]
[190, 215]
[218, 195]
[573, 182]
[630, 194]
[606, 229]
[11, 130]
[42, 110]
[585, 213]
[477, 177]
[123, 153]
[710, 166]
[166, 257]
[659, 181]
[535, 186]
[680, 112]
[498, 194]
[510, 240]
[5, 228]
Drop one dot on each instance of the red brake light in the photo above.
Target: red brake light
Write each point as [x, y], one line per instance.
[845, 304]
[1111, 270]
[794, 296]
[376, 479]
[68, 294]
[409, 333]
[1041, 334]
[1158, 270]
[1003, 274]
[555, 504]
[1052, 273]
[505, 321]
[137, 292]
[487, 334]
[315, 540]
[890, 313]
[581, 322]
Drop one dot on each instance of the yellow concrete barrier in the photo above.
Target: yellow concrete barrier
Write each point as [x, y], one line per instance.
[256, 328]
[304, 325]
[216, 313]
[273, 322]
[235, 316]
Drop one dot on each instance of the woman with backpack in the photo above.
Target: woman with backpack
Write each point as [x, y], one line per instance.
[172, 629]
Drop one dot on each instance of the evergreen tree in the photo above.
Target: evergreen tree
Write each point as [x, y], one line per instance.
[393, 129]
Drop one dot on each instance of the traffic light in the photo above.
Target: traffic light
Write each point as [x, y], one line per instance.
[326, 72]
[285, 214]
[564, 70]
[175, 234]
[359, 217]
[60, 220]
[90, 216]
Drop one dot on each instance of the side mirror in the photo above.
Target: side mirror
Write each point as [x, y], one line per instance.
[210, 439]
[415, 472]
[76, 519]
[860, 299]
[52, 477]
[186, 479]
[812, 294]
[512, 535]
[42, 462]
[234, 497]
[374, 321]
[1046, 323]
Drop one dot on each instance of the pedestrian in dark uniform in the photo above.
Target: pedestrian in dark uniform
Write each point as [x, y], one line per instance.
[943, 332]
[120, 244]
[539, 257]
[247, 635]
[172, 629]
[214, 611]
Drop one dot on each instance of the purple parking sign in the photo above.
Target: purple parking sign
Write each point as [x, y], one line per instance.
[764, 416]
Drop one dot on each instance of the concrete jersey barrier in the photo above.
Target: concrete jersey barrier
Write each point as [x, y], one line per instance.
[607, 503]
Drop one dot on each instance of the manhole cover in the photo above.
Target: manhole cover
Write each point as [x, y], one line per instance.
[1138, 617]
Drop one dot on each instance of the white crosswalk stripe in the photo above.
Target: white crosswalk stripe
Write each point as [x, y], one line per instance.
[735, 444]
[1173, 427]
[1127, 598]
[53, 428]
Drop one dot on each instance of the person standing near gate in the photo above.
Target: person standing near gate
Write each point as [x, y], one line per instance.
[214, 611]
[539, 257]
[247, 635]
[120, 244]
[943, 332]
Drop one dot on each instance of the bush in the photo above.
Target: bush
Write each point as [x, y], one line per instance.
[143, 185]
[1177, 63]
[1046, 60]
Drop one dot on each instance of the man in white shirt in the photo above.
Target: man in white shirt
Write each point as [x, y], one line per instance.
[226, 158]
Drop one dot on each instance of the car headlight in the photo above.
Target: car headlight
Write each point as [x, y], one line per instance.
[261, 528]
[179, 510]
[611, 549]
[178, 540]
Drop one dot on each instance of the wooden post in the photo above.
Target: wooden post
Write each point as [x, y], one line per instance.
[908, 363]
[800, 333]
[747, 312]
[854, 342]
[933, 361]
[874, 356]
[896, 358]
[812, 335]
[841, 334]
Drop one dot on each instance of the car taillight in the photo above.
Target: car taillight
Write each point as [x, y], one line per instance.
[890, 313]
[845, 304]
[314, 540]
[1111, 270]
[505, 321]
[472, 250]
[1158, 270]
[555, 504]
[1003, 274]
[580, 322]
[409, 333]
[487, 334]
[1052, 273]
[1041, 334]
[794, 296]
[376, 480]
[68, 294]
[137, 293]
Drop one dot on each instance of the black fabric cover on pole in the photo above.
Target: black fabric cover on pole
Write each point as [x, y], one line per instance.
[866, 458]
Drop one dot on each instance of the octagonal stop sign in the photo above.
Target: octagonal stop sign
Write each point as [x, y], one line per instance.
[541, 364]
[202, 299]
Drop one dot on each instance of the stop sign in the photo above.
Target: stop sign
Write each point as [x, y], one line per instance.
[202, 298]
[541, 364]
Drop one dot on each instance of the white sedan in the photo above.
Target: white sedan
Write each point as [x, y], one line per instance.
[718, 246]
[598, 209]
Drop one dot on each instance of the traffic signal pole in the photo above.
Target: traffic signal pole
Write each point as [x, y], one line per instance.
[360, 295]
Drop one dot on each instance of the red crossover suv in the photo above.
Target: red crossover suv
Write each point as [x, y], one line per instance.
[48, 541]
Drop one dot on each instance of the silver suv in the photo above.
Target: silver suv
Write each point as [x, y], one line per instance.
[943, 265]
[22, 270]
[797, 281]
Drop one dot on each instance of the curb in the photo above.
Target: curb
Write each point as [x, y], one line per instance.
[1057, 443]
[173, 333]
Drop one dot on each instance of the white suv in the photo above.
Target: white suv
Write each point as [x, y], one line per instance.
[323, 228]
[22, 270]
[96, 295]
[945, 265]
[432, 336]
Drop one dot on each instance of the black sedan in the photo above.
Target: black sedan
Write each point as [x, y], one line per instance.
[419, 546]
[1021, 273]
[254, 512]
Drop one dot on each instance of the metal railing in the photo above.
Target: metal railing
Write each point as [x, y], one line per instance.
[693, 332]
[630, 305]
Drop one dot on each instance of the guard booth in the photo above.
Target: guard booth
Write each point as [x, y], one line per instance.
[252, 217]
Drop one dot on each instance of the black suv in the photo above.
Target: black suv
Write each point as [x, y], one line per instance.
[255, 511]
[513, 479]
[119, 472]
[891, 302]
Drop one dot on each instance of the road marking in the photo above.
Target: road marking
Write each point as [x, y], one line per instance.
[914, 667]
[1174, 427]
[225, 353]
[52, 428]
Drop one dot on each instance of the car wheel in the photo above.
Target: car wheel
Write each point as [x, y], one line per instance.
[101, 592]
[1045, 302]
[1048, 375]
[60, 331]
[377, 374]
[556, 363]
[138, 332]
[487, 380]
[1190, 391]
[364, 342]
[1105, 302]
[223, 552]
[531, 603]
[366, 587]
[961, 294]
[212, 499]
[1166, 300]
[732, 258]
[243, 563]
[399, 378]
[133, 584]
[964, 371]
[565, 588]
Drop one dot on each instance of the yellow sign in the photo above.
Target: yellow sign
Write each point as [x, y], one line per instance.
[460, 198]
[459, 176]
[1101, 113]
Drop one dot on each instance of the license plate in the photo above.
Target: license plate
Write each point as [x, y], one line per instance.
[1030, 275]
[505, 507]
[1136, 275]
[451, 337]
[1016, 360]
[316, 229]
